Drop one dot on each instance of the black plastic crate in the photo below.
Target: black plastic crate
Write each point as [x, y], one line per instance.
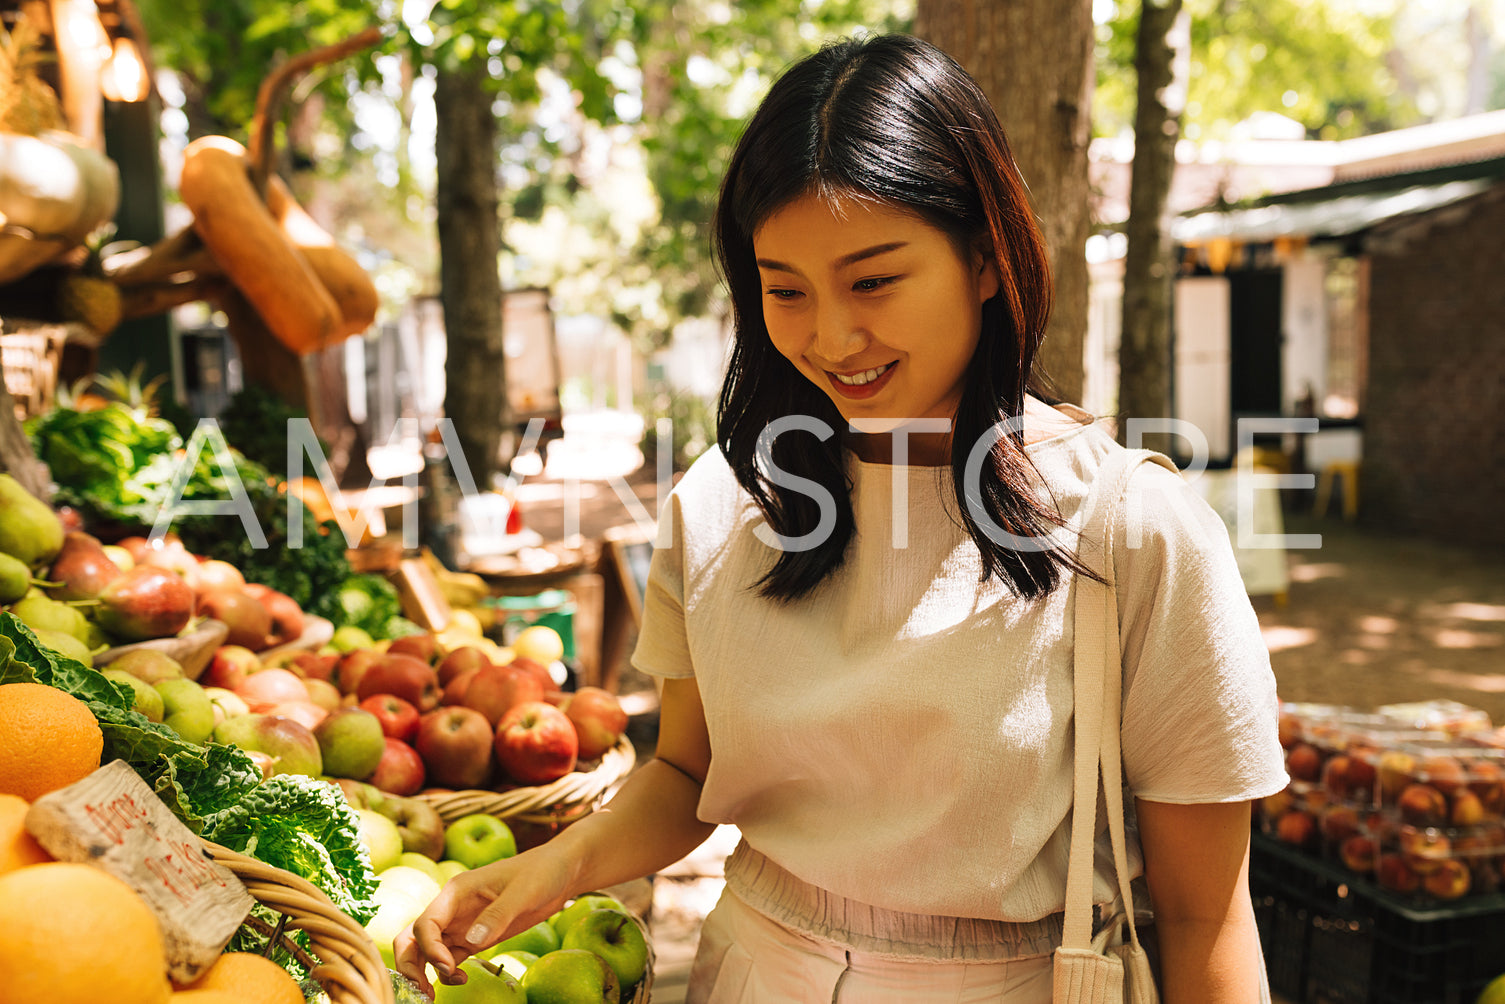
[1331, 937]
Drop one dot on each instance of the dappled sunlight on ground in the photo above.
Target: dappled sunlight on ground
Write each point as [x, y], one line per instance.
[1376, 619]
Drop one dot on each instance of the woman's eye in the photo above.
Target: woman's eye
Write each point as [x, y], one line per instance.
[782, 294]
[868, 285]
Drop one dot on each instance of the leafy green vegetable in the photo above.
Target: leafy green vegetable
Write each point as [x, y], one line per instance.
[369, 602]
[305, 826]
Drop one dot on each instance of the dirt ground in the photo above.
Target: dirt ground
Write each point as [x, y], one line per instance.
[1374, 618]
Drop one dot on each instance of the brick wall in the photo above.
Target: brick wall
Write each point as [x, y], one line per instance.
[1434, 429]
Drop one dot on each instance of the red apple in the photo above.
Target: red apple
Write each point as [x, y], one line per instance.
[598, 719]
[1335, 775]
[455, 745]
[216, 574]
[1290, 730]
[248, 621]
[423, 647]
[496, 690]
[539, 670]
[352, 666]
[536, 743]
[1339, 822]
[461, 660]
[400, 769]
[314, 665]
[454, 691]
[402, 676]
[399, 719]
[229, 667]
[287, 617]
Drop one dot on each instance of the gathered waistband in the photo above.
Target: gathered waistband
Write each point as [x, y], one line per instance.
[825, 916]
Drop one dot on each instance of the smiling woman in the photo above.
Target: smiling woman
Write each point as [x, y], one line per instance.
[880, 692]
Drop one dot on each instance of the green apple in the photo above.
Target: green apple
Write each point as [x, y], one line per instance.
[481, 987]
[571, 976]
[148, 701]
[449, 869]
[515, 963]
[186, 709]
[348, 637]
[540, 939]
[565, 919]
[478, 839]
[351, 743]
[424, 863]
[617, 938]
[227, 703]
[401, 894]
[381, 837]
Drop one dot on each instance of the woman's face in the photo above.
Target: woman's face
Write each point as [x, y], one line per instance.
[874, 305]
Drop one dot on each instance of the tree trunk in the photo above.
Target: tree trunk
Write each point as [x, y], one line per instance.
[1144, 354]
[1033, 58]
[470, 284]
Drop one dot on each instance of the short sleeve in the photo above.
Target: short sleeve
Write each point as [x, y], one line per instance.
[1200, 716]
[663, 647]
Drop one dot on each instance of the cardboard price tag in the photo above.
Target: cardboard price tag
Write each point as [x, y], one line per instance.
[113, 821]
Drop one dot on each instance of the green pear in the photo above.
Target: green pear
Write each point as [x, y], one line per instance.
[15, 578]
[66, 644]
[148, 664]
[39, 611]
[148, 701]
[186, 709]
[29, 530]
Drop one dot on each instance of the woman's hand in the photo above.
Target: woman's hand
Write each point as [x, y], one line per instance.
[478, 908]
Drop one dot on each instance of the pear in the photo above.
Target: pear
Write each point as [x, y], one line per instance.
[29, 529]
[148, 665]
[82, 568]
[146, 602]
[15, 579]
[147, 700]
[38, 611]
[65, 643]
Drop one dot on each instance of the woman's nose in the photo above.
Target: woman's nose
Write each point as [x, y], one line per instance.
[839, 335]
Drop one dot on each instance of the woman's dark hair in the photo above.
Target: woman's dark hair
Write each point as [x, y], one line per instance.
[889, 118]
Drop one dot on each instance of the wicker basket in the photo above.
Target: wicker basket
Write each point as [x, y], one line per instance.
[345, 959]
[556, 804]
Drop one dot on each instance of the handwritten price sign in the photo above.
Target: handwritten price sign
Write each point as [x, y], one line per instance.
[113, 821]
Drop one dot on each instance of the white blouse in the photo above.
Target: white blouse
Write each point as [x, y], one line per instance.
[902, 735]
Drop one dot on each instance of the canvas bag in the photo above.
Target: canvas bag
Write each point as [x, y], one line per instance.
[1105, 969]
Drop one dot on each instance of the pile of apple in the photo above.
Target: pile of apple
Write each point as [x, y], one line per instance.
[1420, 810]
[95, 595]
[592, 949]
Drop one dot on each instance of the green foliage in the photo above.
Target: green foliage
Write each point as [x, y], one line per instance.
[255, 423]
[693, 423]
[1316, 61]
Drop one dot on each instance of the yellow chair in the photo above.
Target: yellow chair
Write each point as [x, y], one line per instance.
[1348, 472]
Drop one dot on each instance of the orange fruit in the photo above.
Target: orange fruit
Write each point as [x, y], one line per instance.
[17, 847]
[213, 997]
[246, 977]
[72, 934]
[48, 740]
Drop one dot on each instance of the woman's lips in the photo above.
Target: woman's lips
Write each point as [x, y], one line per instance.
[857, 392]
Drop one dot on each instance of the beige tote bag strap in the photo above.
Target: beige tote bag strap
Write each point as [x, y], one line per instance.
[1097, 687]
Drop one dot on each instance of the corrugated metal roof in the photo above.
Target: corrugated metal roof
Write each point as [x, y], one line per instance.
[1333, 217]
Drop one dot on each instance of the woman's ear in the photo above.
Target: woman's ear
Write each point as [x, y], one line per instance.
[988, 280]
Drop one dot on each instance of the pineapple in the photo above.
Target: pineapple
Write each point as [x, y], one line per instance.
[27, 105]
[88, 296]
